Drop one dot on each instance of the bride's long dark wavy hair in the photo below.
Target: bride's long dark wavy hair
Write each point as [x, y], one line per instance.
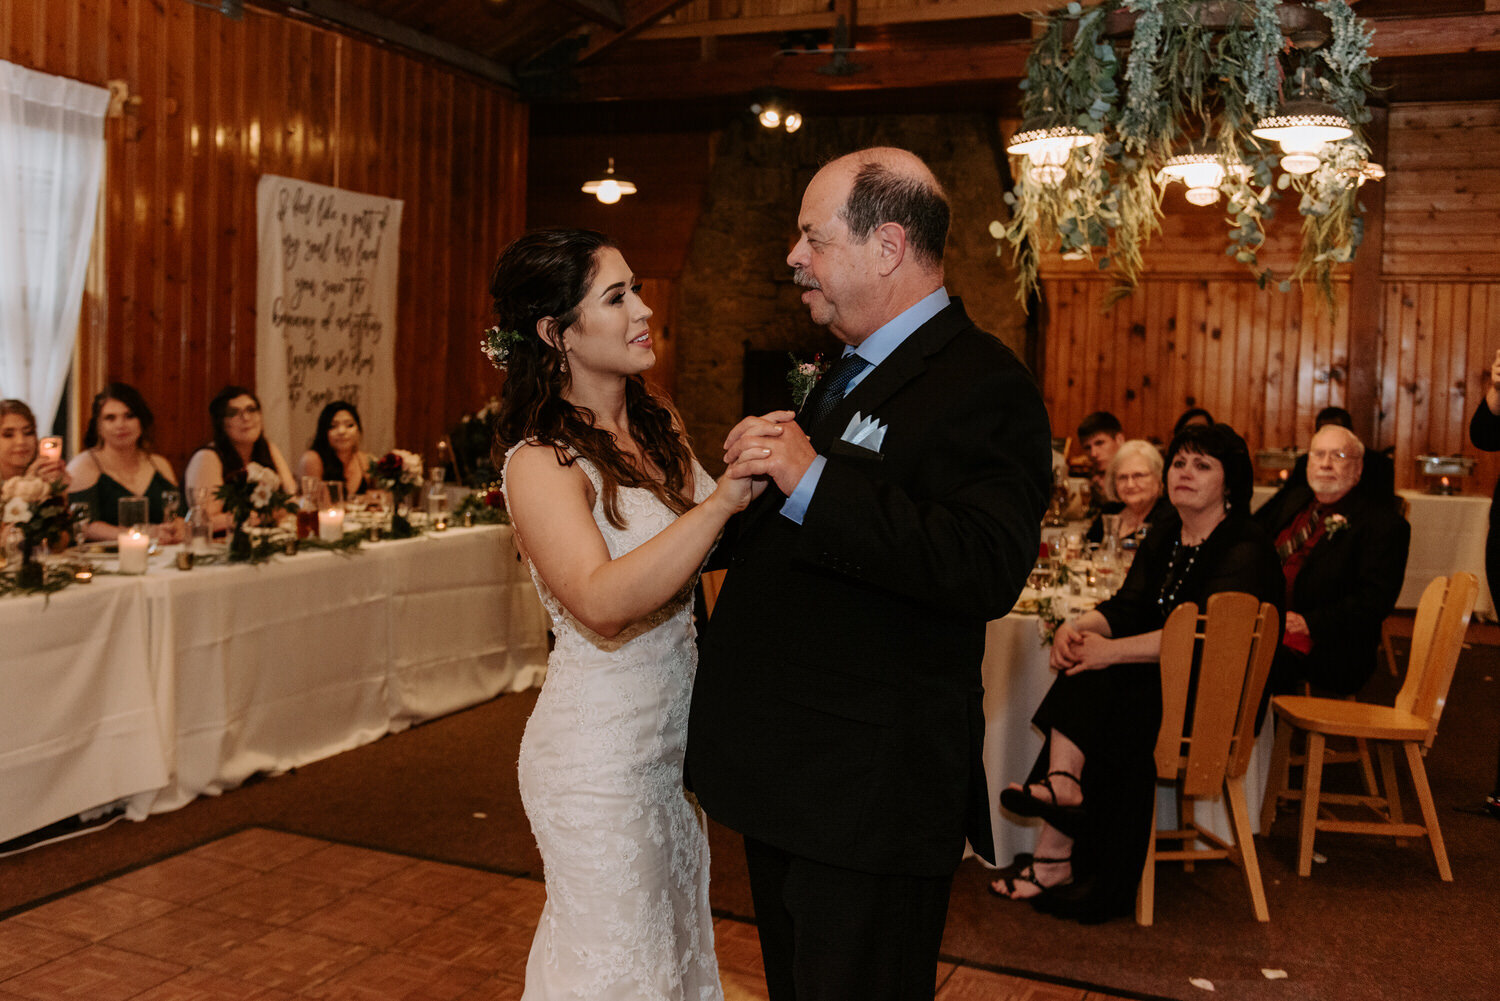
[544, 274]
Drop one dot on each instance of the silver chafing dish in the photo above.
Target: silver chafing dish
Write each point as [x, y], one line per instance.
[1272, 465]
[1444, 472]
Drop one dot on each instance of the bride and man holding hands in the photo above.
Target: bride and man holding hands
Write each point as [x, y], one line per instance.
[834, 719]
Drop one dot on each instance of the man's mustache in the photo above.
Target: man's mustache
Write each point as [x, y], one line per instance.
[802, 278]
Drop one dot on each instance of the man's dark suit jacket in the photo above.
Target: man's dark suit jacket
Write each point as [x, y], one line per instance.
[1347, 585]
[837, 710]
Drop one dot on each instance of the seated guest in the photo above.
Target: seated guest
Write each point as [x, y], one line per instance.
[335, 450]
[1380, 471]
[19, 454]
[1095, 781]
[117, 462]
[1133, 476]
[1192, 415]
[239, 439]
[1343, 551]
[1100, 435]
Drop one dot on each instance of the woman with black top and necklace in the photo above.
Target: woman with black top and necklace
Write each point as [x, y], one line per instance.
[117, 462]
[1094, 782]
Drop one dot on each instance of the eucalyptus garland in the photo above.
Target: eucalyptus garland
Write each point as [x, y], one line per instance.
[1186, 79]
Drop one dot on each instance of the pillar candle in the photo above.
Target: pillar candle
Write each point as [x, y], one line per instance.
[330, 524]
[133, 548]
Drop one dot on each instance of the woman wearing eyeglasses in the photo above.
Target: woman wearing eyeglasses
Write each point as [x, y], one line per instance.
[1134, 478]
[239, 439]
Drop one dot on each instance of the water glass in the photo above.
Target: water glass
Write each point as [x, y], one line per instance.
[437, 499]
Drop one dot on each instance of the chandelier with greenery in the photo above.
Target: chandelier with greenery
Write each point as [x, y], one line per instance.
[1123, 99]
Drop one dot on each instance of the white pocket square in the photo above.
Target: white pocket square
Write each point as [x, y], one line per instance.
[866, 432]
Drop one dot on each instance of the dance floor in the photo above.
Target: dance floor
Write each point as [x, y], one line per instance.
[264, 915]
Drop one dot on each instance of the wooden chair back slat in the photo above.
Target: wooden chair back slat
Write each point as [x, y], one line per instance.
[1263, 651]
[1178, 638]
[1423, 628]
[1434, 673]
[1228, 634]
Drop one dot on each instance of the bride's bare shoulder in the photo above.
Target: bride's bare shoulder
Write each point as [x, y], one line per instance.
[537, 466]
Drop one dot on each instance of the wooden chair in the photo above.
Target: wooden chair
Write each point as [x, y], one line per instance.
[1233, 645]
[1437, 637]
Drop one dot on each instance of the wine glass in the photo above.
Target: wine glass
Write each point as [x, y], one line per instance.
[80, 515]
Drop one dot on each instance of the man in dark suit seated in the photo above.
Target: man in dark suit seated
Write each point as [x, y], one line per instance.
[1380, 471]
[1343, 547]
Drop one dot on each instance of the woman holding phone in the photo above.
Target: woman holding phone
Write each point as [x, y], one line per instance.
[20, 452]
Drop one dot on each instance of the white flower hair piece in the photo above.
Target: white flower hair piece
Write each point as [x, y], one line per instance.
[496, 345]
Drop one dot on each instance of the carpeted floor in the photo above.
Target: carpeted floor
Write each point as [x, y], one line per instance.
[1373, 922]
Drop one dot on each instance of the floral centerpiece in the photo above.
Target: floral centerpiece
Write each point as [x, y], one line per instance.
[400, 472]
[39, 510]
[485, 506]
[252, 493]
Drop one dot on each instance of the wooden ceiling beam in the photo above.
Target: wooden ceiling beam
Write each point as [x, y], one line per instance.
[882, 69]
[642, 16]
[605, 12]
[933, 66]
[1434, 36]
[865, 16]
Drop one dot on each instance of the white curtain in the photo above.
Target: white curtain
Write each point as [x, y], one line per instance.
[51, 168]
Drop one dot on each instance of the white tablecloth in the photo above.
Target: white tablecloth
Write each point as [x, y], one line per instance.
[213, 675]
[1016, 678]
[1447, 535]
[79, 724]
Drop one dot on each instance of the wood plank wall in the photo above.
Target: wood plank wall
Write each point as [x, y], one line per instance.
[222, 102]
[1267, 361]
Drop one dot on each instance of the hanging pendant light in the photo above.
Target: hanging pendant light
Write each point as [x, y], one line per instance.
[609, 188]
[1202, 172]
[1305, 124]
[1046, 148]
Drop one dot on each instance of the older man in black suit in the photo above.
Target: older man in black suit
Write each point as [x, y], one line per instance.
[837, 720]
[1343, 547]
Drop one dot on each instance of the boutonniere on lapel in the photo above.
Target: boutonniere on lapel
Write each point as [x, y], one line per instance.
[1334, 524]
[804, 376]
[866, 432]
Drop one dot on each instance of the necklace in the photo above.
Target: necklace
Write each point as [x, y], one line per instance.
[1177, 573]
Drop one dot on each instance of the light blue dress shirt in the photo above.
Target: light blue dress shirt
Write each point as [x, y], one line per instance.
[875, 349]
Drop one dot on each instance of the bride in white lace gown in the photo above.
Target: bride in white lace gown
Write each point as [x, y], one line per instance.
[615, 518]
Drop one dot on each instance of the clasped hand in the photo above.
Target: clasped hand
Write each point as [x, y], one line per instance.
[769, 447]
[1075, 650]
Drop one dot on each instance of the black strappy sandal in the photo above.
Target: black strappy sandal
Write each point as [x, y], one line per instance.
[1068, 820]
[1028, 875]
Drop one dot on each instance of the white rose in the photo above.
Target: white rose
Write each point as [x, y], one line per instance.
[32, 489]
[261, 495]
[17, 511]
[411, 467]
[9, 489]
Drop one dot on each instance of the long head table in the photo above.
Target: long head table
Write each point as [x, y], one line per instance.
[159, 688]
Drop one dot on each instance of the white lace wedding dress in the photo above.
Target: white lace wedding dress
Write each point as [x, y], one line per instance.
[625, 854]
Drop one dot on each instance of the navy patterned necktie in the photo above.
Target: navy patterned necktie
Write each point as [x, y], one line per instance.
[831, 390]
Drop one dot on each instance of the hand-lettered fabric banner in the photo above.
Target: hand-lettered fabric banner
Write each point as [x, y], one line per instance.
[325, 309]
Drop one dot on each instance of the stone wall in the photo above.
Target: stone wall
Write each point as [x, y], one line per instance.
[736, 290]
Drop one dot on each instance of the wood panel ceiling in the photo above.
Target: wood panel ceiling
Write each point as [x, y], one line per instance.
[683, 62]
